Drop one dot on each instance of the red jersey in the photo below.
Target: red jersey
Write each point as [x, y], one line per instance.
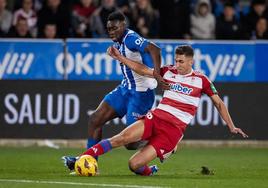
[180, 102]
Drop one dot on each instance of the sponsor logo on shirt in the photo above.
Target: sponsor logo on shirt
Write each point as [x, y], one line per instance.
[181, 89]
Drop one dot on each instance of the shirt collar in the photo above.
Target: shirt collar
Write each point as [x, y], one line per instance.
[185, 75]
[123, 36]
[189, 74]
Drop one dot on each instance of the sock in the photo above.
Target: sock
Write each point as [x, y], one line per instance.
[99, 149]
[91, 142]
[143, 171]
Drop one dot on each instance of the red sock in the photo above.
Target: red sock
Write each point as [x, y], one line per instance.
[99, 149]
[144, 171]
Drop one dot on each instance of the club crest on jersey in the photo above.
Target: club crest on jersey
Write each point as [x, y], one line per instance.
[149, 115]
[181, 89]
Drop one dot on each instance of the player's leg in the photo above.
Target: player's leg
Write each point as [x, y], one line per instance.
[139, 104]
[138, 162]
[97, 119]
[132, 133]
[163, 137]
[111, 107]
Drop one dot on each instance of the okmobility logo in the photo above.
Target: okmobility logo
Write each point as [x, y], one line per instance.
[222, 65]
[97, 63]
[16, 63]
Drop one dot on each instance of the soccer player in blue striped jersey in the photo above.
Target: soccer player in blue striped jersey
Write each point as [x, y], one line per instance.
[135, 95]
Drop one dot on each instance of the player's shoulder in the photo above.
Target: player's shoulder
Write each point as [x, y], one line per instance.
[170, 68]
[201, 75]
[133, 36]
[134, 41]
[131, 33]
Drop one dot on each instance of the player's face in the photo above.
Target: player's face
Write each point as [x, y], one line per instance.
[183, 64]
[116, 30]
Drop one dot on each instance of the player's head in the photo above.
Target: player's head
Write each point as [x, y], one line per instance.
[116, 25]
[184, 59]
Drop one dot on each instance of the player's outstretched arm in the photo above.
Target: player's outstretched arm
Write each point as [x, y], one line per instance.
[139, 68]
[222, 109]
[155, 53]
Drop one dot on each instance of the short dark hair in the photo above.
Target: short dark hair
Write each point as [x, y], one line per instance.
[186, 50]
[116, 15]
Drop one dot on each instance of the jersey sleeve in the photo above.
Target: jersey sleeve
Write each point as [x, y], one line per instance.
[208, 87]
[136, 43]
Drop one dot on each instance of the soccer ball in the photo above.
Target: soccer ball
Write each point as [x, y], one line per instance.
[86, 165]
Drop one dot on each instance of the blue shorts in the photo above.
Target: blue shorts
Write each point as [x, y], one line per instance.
[131, 103]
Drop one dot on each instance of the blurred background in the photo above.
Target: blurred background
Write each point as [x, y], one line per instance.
[54, 70]
[172, 19]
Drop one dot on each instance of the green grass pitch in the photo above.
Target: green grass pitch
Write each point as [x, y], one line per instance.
[41, 167]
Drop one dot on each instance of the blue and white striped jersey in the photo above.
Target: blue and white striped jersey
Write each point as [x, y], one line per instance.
[132, 47]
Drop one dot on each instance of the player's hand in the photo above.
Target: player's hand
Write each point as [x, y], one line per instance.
[113, 52]
[161, 82]
[236, 130]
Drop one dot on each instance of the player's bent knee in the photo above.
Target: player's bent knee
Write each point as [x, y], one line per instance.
[133, 165]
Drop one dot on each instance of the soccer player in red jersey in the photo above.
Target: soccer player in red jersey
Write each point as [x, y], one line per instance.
[164, 126]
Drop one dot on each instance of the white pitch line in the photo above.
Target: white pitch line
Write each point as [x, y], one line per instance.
[75, 183]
